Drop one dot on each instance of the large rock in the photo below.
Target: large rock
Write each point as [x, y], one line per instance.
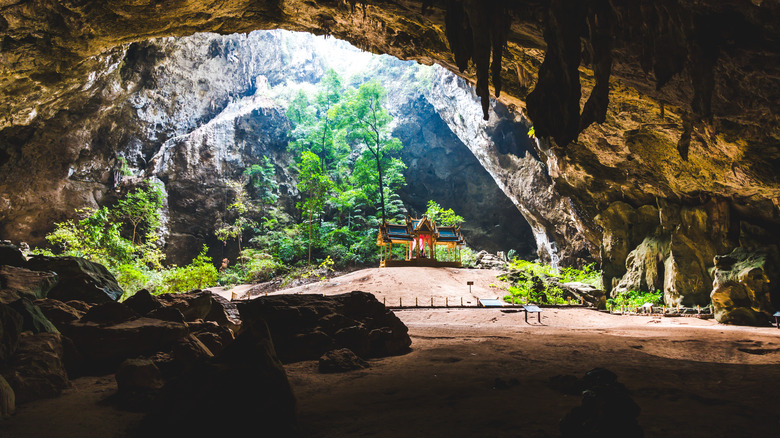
[34, 319]
[11, 323]
[586, 293]
[244, 389]
[742, 287]
[340, 361]
[106, 346]
[139, 382]
[607, 409]
[10, 255]
[205, 305]
[36, 369]
[7, 399]
[18, 282]
[143, 302]
[59, 313]
[306, 326]
[78, 279]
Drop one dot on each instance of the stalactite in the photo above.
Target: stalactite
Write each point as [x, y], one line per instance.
[600, 21]
[554, 104]
[476, 30]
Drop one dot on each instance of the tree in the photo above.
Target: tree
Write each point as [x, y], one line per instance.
[314, 183]
[239, 207]
[314, 123]
[142, 207]
[366, 122]
[443, 217]
[262, 178]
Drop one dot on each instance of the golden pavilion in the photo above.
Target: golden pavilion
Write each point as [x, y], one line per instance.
[422, 238]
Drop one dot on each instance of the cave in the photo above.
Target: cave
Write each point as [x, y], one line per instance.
[641, 136]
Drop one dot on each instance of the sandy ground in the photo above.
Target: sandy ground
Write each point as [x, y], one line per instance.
[485, 373]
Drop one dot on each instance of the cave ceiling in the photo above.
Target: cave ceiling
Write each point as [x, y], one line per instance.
[633, 100]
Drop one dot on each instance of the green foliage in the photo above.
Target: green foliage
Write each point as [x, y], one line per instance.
[262, 179]
[441, 216]
[528, 281]
[199, 274]
[227, 230]
[468, 257]
[135, 262]
[255, 266]
[141, 209]
[633, 299]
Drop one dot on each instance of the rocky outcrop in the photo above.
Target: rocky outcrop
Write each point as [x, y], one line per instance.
[440, 167]
[503, 147]
[304, 327]
[37, 369]
[744, 285]
[78, 279]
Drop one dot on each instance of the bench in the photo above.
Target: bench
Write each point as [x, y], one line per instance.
[777, 319]
[530, 308]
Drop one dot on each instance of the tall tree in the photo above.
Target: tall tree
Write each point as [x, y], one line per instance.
[314, 183]
[367, 123]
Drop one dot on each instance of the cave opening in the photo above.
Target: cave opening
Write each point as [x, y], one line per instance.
[692, 198]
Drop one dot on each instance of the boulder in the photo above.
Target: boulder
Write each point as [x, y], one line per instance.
[36, 369]
[109, 313]
[212, 335]
[104, 347]
[742, 287]
[78, 279]
[190, 350]
[19, 282]
[590, 295]
[607, 409]
[7, 399]
[340, 361]
[193, 305]
[306, 326]
[167, 314]
[243, 389]
[81, 306]
[11, 323]
[204, 305]
[33, 319]
[143, 302]
[485, 260]
[58, 312]
[139, 382]
[10, 255]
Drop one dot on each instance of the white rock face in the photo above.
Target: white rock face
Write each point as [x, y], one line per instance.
[558, 229]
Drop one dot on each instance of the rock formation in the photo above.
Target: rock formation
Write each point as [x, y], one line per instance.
[667, 105]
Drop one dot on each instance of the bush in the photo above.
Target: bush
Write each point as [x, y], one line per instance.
[253, 266]
[199, 274]
[633, 299]
[528, 281]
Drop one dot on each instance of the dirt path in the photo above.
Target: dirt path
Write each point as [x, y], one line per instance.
[402, 285]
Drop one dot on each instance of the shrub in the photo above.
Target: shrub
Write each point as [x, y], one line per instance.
[635, 298]
[199, 274]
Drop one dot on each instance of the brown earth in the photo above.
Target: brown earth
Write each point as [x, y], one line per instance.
[485, 373]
